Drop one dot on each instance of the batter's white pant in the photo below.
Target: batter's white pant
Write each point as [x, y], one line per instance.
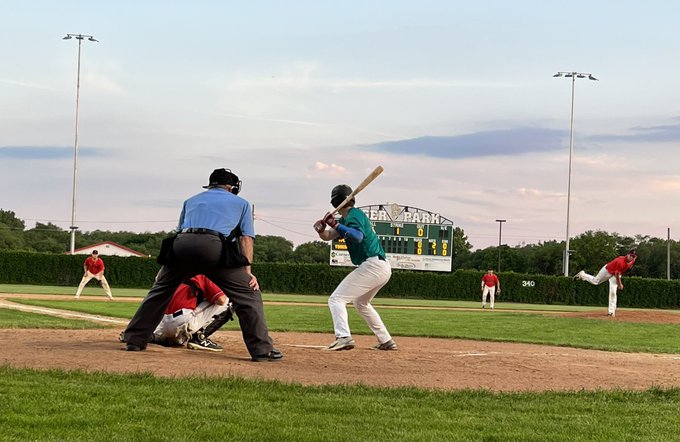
[86, 279]
[359, 288]
[602, 276]
[170, 325]
[491, 291]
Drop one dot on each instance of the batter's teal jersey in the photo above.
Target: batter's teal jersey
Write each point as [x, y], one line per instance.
[370, 246]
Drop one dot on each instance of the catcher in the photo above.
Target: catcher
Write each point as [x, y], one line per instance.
[198, 309]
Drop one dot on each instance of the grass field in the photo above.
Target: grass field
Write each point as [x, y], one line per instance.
[140, 293]
[58, 405]
[500, 326]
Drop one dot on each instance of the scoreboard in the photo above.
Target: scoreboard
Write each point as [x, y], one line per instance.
[412, 238]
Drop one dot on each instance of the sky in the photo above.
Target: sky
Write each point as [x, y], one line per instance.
[456, 100]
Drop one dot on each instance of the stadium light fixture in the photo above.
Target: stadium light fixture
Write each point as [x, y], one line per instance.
[73, 227]
[573, 76]
[500, 230]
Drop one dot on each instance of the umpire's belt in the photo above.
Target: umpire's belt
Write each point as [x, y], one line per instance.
[201, 230]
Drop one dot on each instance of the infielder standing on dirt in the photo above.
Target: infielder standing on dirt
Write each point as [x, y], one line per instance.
[215, 238]
[490, 286]
[363, 283]
[197, 310]
[94, 268]
[611, 272]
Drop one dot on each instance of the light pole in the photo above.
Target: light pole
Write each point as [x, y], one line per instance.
[668, 255]
[80, 38]
[500, 230]
[573, 76]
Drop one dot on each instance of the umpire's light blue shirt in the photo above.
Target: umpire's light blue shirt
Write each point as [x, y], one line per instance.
[217, 209]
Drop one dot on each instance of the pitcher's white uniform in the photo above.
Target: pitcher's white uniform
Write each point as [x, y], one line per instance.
[611, 272]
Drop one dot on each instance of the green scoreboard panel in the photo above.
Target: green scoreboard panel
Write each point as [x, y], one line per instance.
[412, 238]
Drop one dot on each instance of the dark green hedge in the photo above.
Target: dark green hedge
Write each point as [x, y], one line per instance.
[66, 270]
[57, 269]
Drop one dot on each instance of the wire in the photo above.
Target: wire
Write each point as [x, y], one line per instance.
[287, 230]
[101, 221]
[296, 221]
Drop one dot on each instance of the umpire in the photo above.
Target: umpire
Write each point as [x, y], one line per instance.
[215, 237]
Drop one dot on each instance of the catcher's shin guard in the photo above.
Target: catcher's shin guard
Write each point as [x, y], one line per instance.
[219, 320]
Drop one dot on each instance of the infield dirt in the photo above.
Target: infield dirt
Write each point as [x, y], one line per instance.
[448, 364]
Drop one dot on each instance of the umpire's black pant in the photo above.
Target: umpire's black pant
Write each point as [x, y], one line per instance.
[200, 254]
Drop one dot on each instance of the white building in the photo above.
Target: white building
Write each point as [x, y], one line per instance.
[108, 248]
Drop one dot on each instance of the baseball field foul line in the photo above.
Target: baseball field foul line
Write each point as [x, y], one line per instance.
[60, 313]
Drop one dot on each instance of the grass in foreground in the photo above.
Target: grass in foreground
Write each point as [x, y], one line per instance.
[56, 405]
[478, 325]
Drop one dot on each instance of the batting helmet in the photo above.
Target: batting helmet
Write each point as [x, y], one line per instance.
[339, 193]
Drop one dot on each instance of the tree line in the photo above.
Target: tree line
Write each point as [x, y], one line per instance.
[591, 250]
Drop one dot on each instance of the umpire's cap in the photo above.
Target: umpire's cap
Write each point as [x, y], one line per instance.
[222, 177]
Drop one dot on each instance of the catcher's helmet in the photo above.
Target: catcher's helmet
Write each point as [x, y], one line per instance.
[224, 176]
[339, 193]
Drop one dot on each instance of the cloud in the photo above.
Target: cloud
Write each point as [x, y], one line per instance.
[538, 194]
[269, 120]
[652, 134]
[305, 75]
[669, 184]
[24, 84]
[102, 84]
[479, 144]
[416, 83]
[331, 169]
[45, 153]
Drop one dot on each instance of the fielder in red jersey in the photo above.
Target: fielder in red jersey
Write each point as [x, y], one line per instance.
[94, 268]
[490, 286]
[611, 272]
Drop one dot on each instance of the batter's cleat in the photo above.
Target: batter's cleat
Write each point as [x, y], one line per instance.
[76, 297]
[612, 315]
[389, 345]
[199, 342]
[346, 343]
[273, 355]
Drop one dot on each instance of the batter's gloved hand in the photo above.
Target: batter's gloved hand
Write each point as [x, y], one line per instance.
[330, 220]
[319, 226]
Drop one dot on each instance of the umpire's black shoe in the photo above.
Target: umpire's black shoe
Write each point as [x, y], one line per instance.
[133, 347]
[273, 355]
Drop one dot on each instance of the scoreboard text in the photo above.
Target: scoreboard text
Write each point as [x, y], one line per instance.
[412, 238]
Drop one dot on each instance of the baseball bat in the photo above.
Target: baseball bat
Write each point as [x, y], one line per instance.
[371, 176]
